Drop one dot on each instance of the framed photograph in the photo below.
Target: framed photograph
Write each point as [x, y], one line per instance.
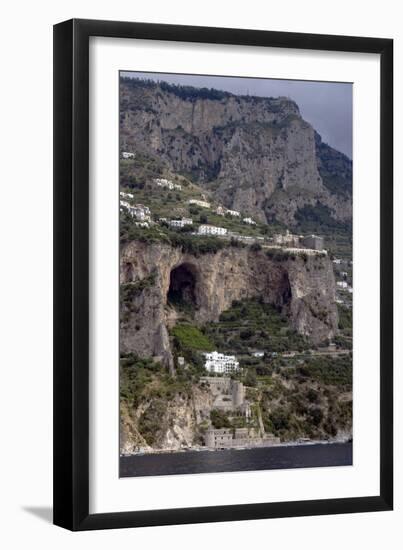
[223, 321]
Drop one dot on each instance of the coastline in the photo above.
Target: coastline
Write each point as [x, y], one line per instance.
[202, 449]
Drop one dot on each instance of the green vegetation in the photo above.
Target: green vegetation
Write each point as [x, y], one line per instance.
[306, 406]
[135, 172]
[143, 381]
[190, 93]
[252, 324]
[219, 419]
[189, 337]
[345, 318]
[335, 371]
[178, 239]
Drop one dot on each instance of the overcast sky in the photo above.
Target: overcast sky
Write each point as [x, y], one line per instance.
[326, 105]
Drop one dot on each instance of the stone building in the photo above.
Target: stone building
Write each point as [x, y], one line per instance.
[228, 438]
[288, 239]
[228, 394]
[314, 242]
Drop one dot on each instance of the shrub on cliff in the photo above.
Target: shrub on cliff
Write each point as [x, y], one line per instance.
[219, 419]
[189, 337]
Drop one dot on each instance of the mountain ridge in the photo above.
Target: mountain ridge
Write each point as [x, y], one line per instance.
[254, 154]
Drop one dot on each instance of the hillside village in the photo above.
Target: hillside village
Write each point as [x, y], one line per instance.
[225, 223]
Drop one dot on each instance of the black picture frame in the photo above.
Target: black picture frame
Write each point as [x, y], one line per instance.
[71, 274]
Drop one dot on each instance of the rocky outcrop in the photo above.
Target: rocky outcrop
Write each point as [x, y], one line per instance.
[177, 426]
[254, 154]
[302, 286]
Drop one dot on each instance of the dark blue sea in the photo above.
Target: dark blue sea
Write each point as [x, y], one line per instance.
[269, 458]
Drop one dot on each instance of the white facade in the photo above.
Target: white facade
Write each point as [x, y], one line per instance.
[141, 212]
[126, 195]
[162, 182]
[234, 213]
[218, 363]
[127, 155]
[337, 261]
[203, 204]
[249, 221]
[342, 284]
[258, 354]
[124, 205]
[221, 211]
[181, 223]
[138, 211]
[212, 230]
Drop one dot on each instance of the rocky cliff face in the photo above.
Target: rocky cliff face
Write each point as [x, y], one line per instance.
[256, 154]
[301, 286]
[177, 426]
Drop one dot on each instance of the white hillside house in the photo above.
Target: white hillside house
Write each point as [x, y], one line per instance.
[218, 363]
[162, 182]
[342, 284]
[138, 211]
[141, 212]
[126, 195]
[249, 221]
[258, 354]
[127, 155]
[234, 213]
[181, 223]
[197, 202]
[221, 211]
[126, 205]
[211, 230]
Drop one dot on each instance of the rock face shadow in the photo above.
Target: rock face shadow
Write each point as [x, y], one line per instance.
[45, 513]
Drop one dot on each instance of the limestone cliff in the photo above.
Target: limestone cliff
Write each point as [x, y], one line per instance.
[302, 286]
[178, 421]
[255, 154]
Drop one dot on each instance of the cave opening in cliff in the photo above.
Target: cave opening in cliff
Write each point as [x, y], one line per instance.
[182, 287]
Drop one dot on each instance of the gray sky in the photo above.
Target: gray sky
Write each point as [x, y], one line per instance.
[326, 105]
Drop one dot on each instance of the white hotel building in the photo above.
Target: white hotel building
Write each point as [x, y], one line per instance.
[212, 230]
[218, 363]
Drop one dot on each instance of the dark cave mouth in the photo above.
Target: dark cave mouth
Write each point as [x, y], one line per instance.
[182, 287]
